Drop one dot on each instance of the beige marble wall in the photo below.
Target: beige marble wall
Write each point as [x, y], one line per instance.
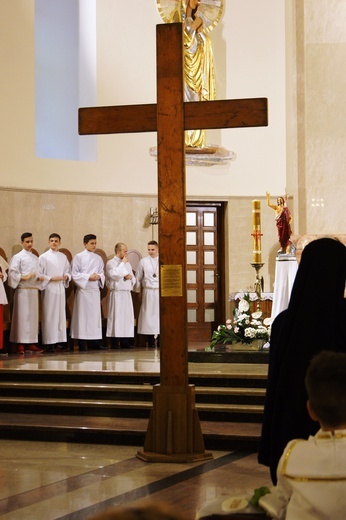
[116, 218]
[321, 113]
[72, 215]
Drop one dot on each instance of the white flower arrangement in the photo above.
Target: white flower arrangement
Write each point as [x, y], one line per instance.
[246, 326]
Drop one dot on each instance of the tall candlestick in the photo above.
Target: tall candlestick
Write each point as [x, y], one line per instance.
[256, 231]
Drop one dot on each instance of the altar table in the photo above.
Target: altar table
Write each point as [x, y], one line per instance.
[266, 301]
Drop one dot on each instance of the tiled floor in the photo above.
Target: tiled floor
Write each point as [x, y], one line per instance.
[75, 481]
[44, 481]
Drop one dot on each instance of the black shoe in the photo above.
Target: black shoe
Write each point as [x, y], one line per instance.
[49, 348]
[125, 343]
[151, 341]
[98, 346]
[63, 348]
[115, 344]
[82, 346]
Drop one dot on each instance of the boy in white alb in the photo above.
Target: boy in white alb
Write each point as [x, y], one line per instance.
[312, 473]
[120, 281]
[88, 275]
[55, 270]
[147, 276]
[23, 277]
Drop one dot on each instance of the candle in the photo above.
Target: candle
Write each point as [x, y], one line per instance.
[256, 231]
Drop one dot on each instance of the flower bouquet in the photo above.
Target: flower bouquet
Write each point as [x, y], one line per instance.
[246, 326]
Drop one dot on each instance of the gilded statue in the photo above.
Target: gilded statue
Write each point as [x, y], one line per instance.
[199, 18]
[283, 222]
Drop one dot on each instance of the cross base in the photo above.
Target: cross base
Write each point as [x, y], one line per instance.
[174, 433]
[178, 457]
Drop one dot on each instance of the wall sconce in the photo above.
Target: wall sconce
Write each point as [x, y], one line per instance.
[153, 219]
[153, 216]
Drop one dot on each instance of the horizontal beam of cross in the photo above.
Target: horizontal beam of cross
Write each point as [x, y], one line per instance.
[233, 113]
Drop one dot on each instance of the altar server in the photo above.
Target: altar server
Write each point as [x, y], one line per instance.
[3, 301]
[23, 277]
[120, 281]
[147, 276]
[55, 270]
[88, 275]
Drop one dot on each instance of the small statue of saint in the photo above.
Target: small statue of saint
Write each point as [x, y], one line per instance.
[283, 222]
[259, 286]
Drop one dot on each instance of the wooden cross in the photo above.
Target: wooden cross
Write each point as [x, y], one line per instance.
[174, 432]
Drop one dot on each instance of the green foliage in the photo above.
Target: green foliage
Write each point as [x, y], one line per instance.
[258, 493]
[245, 328]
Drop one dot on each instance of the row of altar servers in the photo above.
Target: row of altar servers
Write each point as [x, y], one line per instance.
[134, 257]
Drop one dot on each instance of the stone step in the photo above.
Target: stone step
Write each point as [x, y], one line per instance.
[119, 388]
[106, 404]
[241, 378]
[112, 430]
[60, 393]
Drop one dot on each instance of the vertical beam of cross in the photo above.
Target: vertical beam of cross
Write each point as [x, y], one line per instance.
[172, 200]
[174, 432]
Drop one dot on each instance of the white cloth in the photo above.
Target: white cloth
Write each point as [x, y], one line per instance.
[86, 320]
[252, 295]
[53, 299]
[148, 280]
[4, 266]
[311, 480]
[120, 320]
[285, 273]
[24, 323]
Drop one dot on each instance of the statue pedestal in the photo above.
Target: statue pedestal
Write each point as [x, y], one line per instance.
[285, 273]
[210, 155]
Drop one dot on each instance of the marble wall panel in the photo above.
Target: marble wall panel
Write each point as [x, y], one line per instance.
[72, 215]
[125, 218]
[325, 117]
[325, 21]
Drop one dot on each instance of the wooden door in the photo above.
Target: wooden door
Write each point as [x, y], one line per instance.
[205, 268]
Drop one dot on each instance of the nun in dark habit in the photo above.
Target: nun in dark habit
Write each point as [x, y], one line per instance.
[315, 320]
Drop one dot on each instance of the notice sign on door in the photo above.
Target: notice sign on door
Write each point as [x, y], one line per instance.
[171, 280]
